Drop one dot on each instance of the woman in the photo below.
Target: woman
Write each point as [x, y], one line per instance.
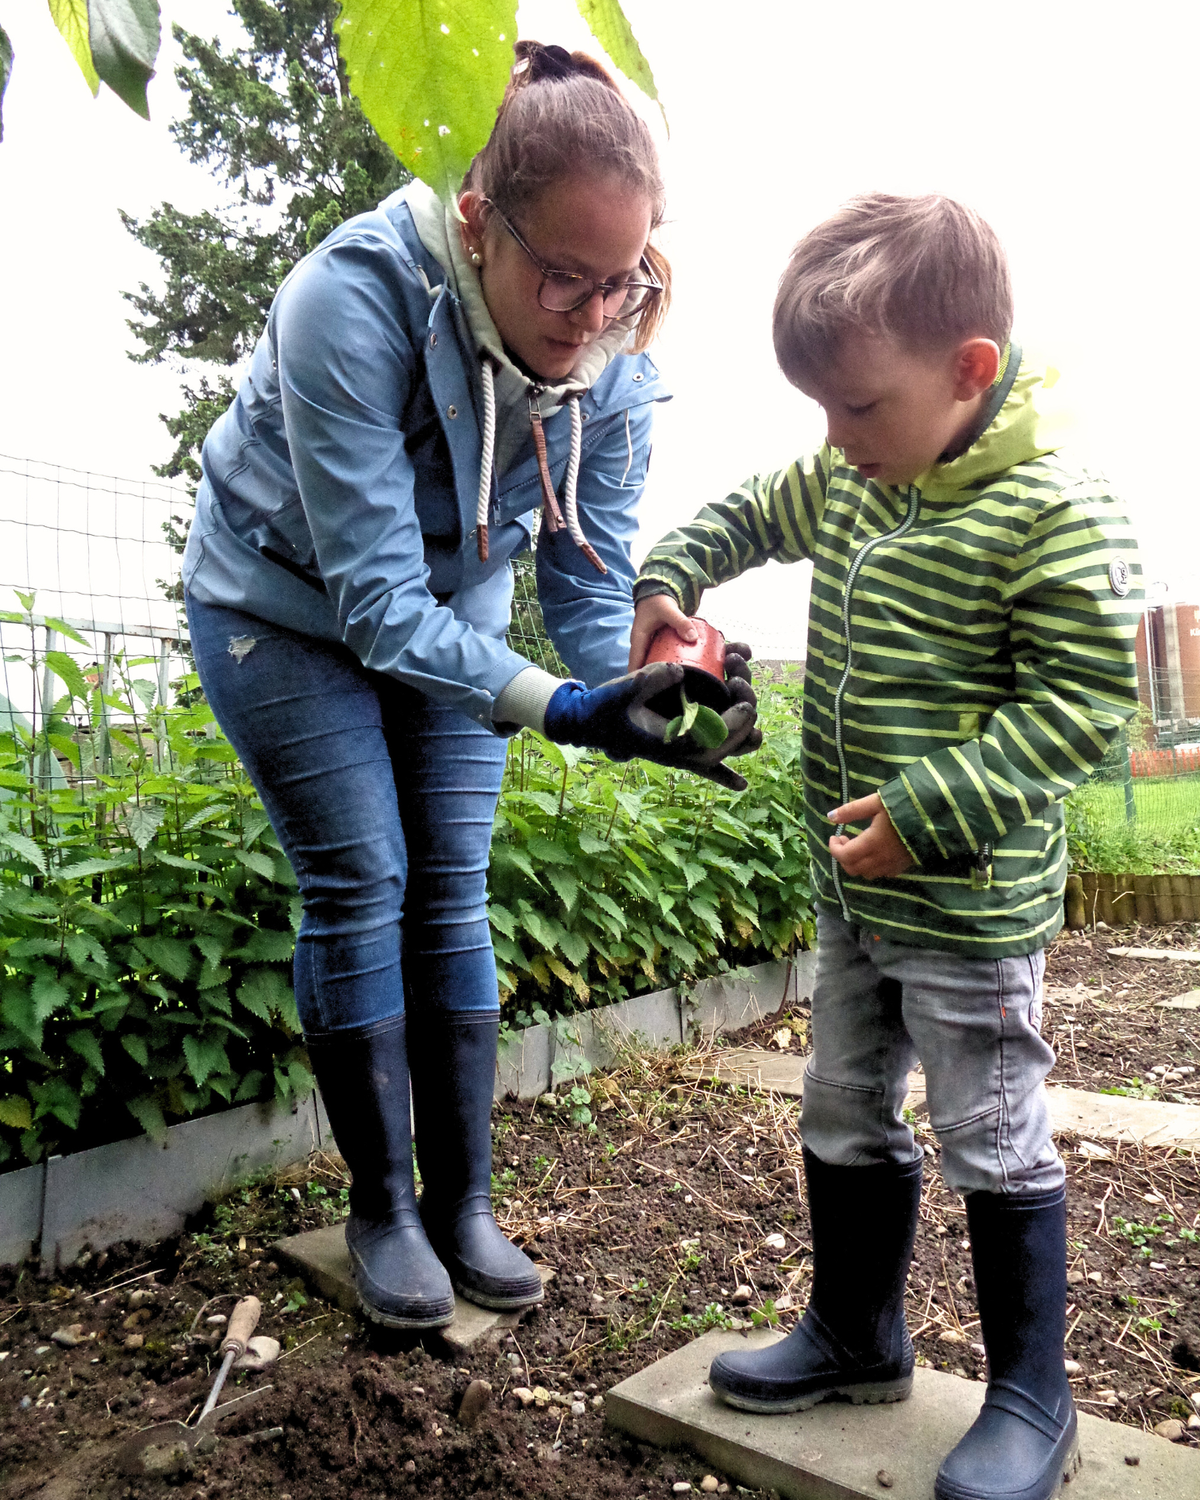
[425, 380]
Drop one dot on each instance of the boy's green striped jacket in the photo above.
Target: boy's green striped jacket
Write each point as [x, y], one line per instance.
[970, 657]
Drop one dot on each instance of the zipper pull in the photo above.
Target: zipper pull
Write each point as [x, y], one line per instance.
[551, 514]
[981, 870]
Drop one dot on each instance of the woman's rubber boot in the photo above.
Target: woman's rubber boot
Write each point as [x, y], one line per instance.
[363, 1076]
[454, 1077]
[1024, 1443]
[853, 1341]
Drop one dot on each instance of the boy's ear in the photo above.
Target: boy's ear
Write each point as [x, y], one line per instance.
[976, 365]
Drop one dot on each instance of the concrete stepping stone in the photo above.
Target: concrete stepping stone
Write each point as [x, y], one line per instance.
[1189, 1001]
[1170, 955]
[836, 1451]
[753, 1068]
[321, 1258]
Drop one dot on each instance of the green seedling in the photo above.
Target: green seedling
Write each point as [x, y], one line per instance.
[703, 726]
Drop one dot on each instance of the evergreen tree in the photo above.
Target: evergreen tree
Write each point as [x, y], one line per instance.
[273, 119]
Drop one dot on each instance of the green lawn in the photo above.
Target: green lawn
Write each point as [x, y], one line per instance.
[1164, 837]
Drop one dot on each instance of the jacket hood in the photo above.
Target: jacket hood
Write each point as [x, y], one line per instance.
[1026, 418]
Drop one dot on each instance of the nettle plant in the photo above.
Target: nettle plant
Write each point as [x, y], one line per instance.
[147, 915]
[607, 880]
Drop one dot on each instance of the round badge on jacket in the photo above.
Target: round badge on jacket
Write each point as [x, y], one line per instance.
[1118, 576]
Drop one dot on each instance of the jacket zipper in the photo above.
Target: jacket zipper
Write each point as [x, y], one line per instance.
[914, 500]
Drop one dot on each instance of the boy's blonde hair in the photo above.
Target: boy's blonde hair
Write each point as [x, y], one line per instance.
[925, 271]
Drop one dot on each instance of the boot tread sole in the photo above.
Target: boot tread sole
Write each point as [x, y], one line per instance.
[878, 1393]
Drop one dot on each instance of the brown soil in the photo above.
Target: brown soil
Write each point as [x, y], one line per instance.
[1102, 1017]
[651, 1222]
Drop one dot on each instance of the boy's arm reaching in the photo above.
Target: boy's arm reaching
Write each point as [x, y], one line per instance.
[1075, 602]
[770, 516]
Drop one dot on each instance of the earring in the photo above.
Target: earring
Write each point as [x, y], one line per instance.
[476, 258]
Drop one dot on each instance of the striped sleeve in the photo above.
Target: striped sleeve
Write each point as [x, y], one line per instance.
[1074, 683]
[769, 516]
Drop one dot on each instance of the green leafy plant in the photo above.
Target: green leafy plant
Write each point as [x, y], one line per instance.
[1140, 1235]
[766, 1316]
[147, 916]
[703, 726]
[713, 1316]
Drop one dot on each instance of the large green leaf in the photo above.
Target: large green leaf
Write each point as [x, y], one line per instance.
[124, 37]
[67, 670]
[430, 75]
[71, 18]
[608, 25]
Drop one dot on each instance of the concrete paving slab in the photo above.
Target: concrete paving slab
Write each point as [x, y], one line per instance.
[1190, 1001]
[321, 1258]
[835, 1451]
[1112, 1117]
[1170, 955]
[1103, 1117]
[753, 1068]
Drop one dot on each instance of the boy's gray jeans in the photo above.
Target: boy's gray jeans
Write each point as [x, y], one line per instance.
[974, 1023]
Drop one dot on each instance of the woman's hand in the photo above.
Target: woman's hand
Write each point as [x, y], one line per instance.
[874, 853]
[616, 717]
[649, 616]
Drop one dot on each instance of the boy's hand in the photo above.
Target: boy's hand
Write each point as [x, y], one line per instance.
[877, 852]
[649, 616]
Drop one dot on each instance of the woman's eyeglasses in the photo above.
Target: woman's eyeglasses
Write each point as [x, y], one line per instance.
[565, 291]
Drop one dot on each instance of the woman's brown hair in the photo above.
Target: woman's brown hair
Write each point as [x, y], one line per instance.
[562, 114]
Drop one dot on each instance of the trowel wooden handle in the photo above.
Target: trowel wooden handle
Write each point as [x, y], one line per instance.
[242, 1325]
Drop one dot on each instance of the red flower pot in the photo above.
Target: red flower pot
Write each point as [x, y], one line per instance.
[703, 663]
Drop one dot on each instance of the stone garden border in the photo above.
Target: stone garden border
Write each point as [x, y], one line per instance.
[145, 1190]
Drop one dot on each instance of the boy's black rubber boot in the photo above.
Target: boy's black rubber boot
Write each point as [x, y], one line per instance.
[853, 1341]
[454, 1078]
[363, 1076]
[1024, 1444]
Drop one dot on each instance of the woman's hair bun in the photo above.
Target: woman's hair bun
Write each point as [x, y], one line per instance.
[538, 62]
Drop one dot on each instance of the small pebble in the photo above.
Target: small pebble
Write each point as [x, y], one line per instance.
[410, 1466]
[68, 1337]
[1132, 1460]
[581, 1281]
[597, 1402]
[709, 1484]
[741, 1295]
[578, 1408]
[1072, 1367]
[140, 1298]
[295, 1192]
[524, 1395]
[134, 1340]
[775, 1242]
[1172, 1429]
[682, 1487]
[217, 1320]
[475, 1401]
[418, 1390]
[885, 1479]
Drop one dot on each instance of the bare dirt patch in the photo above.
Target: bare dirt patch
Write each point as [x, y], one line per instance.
[682, 1194]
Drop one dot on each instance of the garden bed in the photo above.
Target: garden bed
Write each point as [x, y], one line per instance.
[651, 1223]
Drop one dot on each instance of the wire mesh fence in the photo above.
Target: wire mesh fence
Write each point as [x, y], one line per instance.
[1140, 811]
[89, 575]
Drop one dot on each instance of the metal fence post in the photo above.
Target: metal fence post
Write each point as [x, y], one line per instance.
[1130, 804]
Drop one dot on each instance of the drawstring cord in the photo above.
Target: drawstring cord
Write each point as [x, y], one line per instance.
[487, 460]
[570, 505]
[553, 517]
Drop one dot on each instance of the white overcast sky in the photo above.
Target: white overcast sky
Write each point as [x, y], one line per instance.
[1070, 124]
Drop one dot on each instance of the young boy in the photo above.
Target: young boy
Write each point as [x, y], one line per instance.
[970, 656]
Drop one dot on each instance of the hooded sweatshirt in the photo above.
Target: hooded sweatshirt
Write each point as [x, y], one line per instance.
[970, 658]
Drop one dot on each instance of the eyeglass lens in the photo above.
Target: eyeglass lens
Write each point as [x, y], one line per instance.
[561, 292]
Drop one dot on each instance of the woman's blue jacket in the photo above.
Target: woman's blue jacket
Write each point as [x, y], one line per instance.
[340, 488]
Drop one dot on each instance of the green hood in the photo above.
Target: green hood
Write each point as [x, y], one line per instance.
[1033, 420]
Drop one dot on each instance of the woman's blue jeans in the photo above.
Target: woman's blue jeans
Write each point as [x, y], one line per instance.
[383, 802]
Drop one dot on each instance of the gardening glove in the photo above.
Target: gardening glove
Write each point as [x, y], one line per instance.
[616, 718]
[741, 689]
